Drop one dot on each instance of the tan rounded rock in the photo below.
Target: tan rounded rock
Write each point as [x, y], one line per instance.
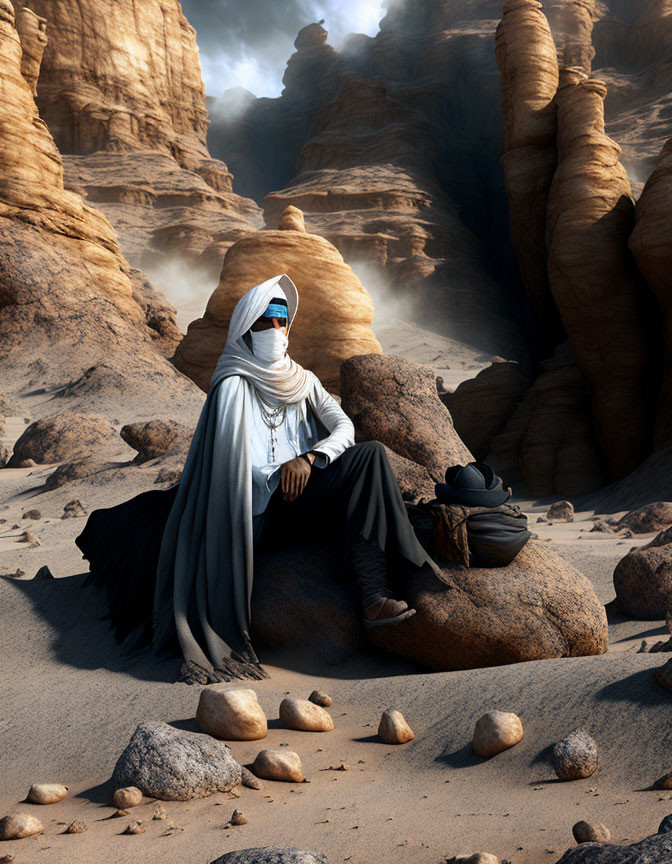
[475, 858]
[393, 728]
[46, 793]
[232, 714]
[76, 827]
[278, 765]
[305, 716]
[664, 782]
[319, 697]
[239, 818]
[591, 832]
[128, 796]
[135, 828]
[496, 731]
[15, 826]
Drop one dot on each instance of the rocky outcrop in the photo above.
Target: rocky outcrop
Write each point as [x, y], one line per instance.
[361, 142]
[548, 444]
[651, 244]
[120, 89]
[67, 295]
[395, 402]
[655, 849]
[65, 436]
[593, 279]
[571, 22]
[528, 66]
[335, 310]
[481, 406]
[646, 519]
[643, 579]
[32, 30]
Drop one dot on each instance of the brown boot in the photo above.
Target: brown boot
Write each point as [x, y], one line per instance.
[387, 611]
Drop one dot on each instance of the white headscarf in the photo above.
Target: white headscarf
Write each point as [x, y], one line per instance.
[283, 380]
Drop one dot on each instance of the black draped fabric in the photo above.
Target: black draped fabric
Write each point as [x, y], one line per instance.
[356, 494]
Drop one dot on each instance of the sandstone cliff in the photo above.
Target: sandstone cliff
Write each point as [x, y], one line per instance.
[69, 310]
[593, 278]
[335, 311]
[528, 65]
[120, 89]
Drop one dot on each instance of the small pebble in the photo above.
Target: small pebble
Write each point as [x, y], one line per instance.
[135, 828]
[279, 765]
[239, 818]
[305, 716]
[128, 796]
[159, 812]
[248, 779]
[496, 731]
[321, 698]
[76, 827]
[46, 793]
[19, 825]
[393, 728]
[6, 859]
[591, 832]
[32, 514]
[575, 757]
[664, 782]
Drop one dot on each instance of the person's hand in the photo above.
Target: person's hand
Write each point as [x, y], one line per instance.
[293, 478]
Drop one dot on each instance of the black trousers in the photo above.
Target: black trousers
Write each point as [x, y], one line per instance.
[355, 494]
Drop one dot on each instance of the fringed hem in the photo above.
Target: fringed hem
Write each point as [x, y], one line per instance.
[230, 669]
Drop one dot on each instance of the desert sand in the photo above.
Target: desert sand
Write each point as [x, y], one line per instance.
[71, 702]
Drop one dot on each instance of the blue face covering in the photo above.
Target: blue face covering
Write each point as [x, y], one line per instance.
[275, 310]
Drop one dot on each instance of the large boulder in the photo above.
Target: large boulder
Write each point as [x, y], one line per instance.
[156, 438]
[173, 765]
[396, 402]
[272, 855]
[64, 436]
[334, 315]
[656, 849]
[646, 519]
[537, 607]
[643, 579]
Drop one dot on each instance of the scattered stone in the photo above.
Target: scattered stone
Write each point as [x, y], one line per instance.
[602, 526]
[29, 538]
[118, 813]
[542, 518]
[174, 765]
[393, 728]
[127, 797]
[475, 858]
[62, 437]
[239, 818]
[19, 825]
[77, 469]
[248, 779]
[279, 765]
[76, 827]
[575, 756]
[156, 438]
[664, 782]
[159, 812]
[73, 509]
[32, 514]
[46, 793]
[168, 475]
[562, 511]
[665, 826]
[321, 698]
[496, 731]
[305, 716]
[643, 579]
[234, 714]
[591, 832]
[646, 519]
[6, 859]
[272, 855]
[664, 675]
[20, 463]
[135, 828]
[17, 574]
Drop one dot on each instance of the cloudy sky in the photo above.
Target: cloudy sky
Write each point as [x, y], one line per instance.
[246, 43]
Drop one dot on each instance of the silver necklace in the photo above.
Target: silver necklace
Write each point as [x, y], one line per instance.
[273, 419]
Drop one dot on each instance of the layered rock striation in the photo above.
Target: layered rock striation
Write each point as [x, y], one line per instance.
[69, 305]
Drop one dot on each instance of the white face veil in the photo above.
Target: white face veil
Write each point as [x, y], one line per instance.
[283, 380]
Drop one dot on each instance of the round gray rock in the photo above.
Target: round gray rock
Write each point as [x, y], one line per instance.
[656, 849]
[173, 765]
[575, 756]
[272, 855]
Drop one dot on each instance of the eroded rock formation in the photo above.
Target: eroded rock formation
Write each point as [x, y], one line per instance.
[548, 443]
[120, 89]
[651, 244]
[528, 65]
[32, 30]
[335, 310]
[67, 298]
[572, 24]
[592, 276]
